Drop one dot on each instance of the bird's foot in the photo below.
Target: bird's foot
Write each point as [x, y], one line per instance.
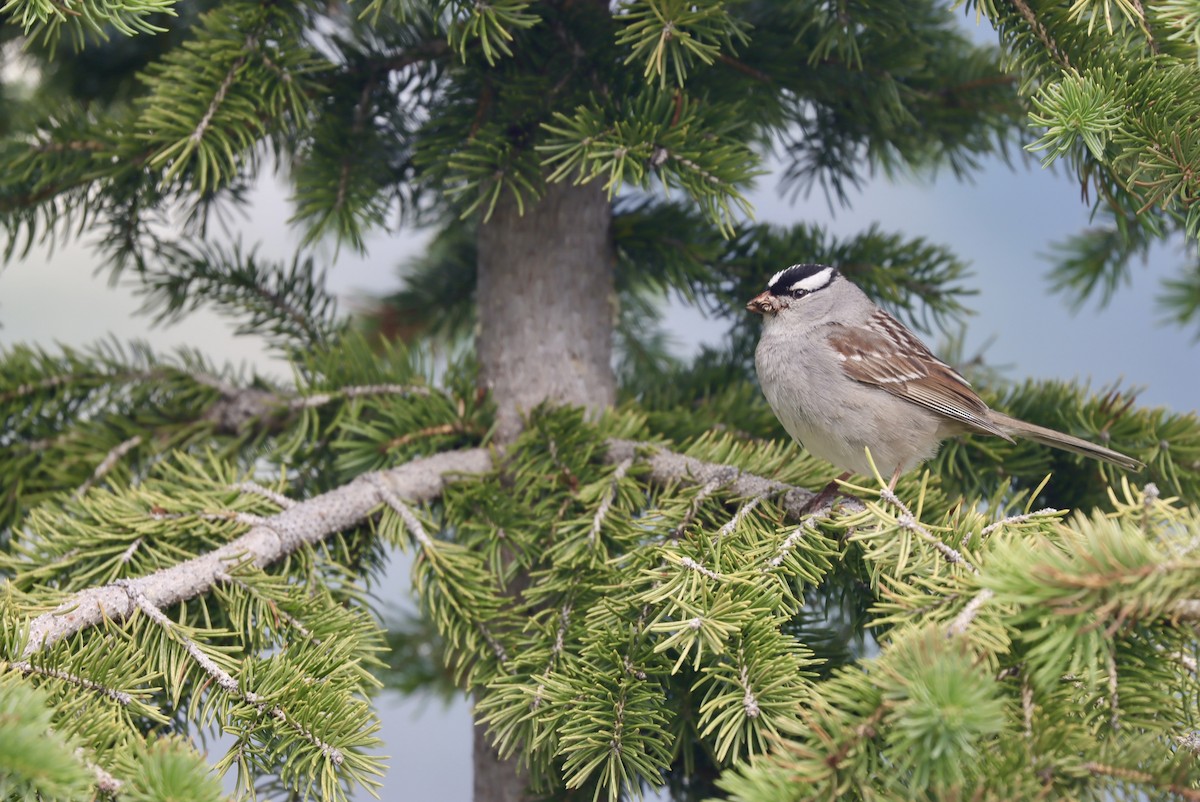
[822, 499]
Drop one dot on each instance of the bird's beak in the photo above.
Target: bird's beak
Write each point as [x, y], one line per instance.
[763, 304]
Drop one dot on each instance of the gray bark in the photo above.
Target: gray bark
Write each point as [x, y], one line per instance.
[267, 541]
[307, 522]
[547, 304]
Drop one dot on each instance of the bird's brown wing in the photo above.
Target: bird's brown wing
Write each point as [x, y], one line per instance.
[887, 355]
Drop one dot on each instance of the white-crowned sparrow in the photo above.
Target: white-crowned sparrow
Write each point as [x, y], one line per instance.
[842, 375]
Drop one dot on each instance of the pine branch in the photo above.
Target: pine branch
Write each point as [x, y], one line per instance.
[311, 521]
[45, 19]
[278, 536]
[668, 467]
[906, 520]
[111, 459]
[120, 697]
[1042, 34]
[1141, 778]
[286, 303]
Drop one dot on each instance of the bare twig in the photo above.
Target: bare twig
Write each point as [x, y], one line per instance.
[906, 520]
[127, 555]
[1145, 24]
[219, 97]
[962, 621]
[712, 485]
[411, 522]
[781, 553]
[280, 500]
[496, 646]
[1027, 707]
[362, 391]
[1190, 742]
[457, 427]
[865, 731]
[108, 463]
[1017, 519]
[749, 700]
[564, 620]
[74, 679]
[1040, 31]
[1113, 700]
[225, 680]
[239, 407]
[276, 610]
[692, 565]
[609, 496]
[668, 467]
[209, 666]
[742, 512]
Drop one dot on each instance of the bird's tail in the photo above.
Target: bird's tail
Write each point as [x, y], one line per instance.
[1066, 442]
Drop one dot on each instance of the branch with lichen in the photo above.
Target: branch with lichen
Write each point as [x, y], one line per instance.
[304, 524]
[309, 522]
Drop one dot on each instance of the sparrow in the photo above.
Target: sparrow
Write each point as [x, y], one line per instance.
[843, 376]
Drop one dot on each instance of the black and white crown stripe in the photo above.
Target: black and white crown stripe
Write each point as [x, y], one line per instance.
[801, 279]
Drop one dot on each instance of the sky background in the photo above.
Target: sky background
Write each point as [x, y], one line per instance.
[1000, 223]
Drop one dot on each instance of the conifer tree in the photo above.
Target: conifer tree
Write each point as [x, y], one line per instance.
[619, 564]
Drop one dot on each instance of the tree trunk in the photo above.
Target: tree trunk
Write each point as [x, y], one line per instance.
[547, 304]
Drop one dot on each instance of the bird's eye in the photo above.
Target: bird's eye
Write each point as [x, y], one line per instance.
[798, 293]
